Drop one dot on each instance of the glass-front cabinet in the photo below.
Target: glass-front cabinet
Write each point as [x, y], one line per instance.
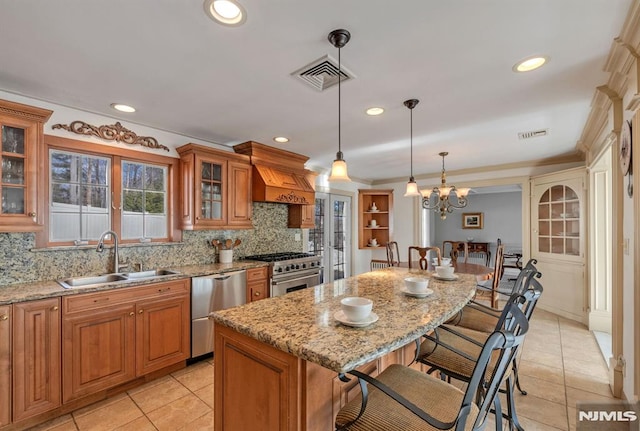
[22, 135]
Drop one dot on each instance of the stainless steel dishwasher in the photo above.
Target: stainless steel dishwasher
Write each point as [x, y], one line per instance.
[211, 293]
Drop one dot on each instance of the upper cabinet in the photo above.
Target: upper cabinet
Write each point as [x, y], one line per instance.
[216, 189]
[375, 217]
[22, 137]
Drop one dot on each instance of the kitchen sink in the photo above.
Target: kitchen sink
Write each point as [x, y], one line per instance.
[150, 273]
[68, 283]
[98, 280]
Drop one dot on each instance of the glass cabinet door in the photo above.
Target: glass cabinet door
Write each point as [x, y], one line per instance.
[559, 221]
[13, 170]
[211, 190]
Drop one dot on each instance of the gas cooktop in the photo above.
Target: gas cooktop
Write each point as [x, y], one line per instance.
[276, 257]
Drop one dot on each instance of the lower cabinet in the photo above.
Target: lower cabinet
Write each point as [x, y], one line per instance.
[115, 336]
[257, 284]
[36, 357]
[5, 365]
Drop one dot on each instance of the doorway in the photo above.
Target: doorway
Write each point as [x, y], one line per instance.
[331, 237]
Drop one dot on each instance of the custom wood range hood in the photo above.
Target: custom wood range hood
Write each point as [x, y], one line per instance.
[278, 175]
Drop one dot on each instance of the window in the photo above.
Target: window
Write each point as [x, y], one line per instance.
[101, 188]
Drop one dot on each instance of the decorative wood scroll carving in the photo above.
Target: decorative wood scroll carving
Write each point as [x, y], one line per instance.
[115, 132]
[292, 198]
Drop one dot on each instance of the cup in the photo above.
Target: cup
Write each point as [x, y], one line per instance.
[374, 223]
[445, 271]
[226, 256]
[373, 242]
[445, 261]
[416, 284]
[356, 308]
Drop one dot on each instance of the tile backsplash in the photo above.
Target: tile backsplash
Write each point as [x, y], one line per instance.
[21, 263]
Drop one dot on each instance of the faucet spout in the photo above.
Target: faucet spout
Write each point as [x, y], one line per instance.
[100, 248]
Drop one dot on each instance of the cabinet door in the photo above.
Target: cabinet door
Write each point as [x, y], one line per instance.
[162, 333]
[98, 350]
[240, 206]
[257, 290]
[5, 365]
[36, 357]
[210, 192]
[302, 216]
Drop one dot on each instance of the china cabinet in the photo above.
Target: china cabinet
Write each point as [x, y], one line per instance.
[216, 188]
[375, 217]
[22, 137]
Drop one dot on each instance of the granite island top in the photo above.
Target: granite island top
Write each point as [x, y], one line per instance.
[49, 289]
[302, 323]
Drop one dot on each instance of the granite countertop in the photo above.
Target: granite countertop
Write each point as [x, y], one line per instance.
[302, 323]
[49, 289]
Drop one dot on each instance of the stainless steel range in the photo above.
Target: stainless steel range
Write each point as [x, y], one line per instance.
[291, 271]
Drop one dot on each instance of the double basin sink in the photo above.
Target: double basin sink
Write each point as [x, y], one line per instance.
[97, 280]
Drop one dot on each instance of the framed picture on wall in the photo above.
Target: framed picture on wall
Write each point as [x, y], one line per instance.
[472, 220]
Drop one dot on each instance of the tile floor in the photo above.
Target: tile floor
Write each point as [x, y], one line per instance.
[561, 364]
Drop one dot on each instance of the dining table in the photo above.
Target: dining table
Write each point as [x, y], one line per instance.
[481, 272]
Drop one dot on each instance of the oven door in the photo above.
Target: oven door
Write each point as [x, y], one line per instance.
[281, 285]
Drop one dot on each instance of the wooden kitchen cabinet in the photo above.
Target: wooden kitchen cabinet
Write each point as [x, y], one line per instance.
[5, 364]
[36, 357]
[381, 212]
[115, 336]
[257, 284]
[302, 216]
[216, 189]
[21, 141]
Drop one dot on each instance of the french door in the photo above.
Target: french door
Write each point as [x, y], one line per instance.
[331, 237]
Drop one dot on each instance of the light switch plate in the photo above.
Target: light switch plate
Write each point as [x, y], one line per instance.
[297, 237]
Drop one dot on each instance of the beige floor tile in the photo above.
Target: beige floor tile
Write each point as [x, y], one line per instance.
[553, 392]
[598, 371]
[543, 411]
[206, 394]
[203, 423]
[140, 424]
[542, 346]
[98, 405]
[62, 423]
[109, 417]
[587, 382]
[543, 372]
[149, 385]
[531, 425]
[159, 395]
[572, 413]
[576, 395]
[178, 413]
[198, 378]
[543, 358]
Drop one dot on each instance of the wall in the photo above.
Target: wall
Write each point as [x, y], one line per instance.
[502, 219]
[21, 263]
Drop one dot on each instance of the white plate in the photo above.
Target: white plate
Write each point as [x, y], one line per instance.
[372, 245]
[417, 295]
[342, 318]
[437, 277]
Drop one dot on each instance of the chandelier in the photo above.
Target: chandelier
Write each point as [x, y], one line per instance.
[444, 199]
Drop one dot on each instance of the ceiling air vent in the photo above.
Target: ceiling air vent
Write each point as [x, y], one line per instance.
[322, 73]
[532, 134]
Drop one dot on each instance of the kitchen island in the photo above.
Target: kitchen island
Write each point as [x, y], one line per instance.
[277, 360]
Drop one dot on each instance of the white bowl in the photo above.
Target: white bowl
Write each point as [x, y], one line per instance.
[416, 284]
[356, 308]
[445, 271]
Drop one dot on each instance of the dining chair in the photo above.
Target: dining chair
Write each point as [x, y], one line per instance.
[423, 252]
[453, 350]
[402, 398]
[454, 252]
[489, 287]
[393, 254]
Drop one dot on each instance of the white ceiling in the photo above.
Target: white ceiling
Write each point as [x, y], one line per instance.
[186, 74]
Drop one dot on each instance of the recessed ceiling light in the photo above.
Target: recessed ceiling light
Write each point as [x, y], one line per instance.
[374, 111]
[226, 12]
[529, 64]
[123, 108]
[281, 139]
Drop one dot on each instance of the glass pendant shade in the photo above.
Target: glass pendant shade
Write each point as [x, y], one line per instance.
[339, 170]
[412, 189]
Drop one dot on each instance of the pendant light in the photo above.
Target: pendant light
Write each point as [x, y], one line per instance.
[412, 187]
[339, 38]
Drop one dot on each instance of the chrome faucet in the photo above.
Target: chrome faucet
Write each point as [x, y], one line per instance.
[116, 260]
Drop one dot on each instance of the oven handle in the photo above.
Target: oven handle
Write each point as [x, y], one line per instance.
[288, 280]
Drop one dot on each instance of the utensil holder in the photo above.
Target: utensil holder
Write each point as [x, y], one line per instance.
[226, 256]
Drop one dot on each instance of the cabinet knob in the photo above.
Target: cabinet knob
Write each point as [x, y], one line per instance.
[131, 313]
[140, 311]
[256, 294]
[32, 214]
[54, 308]
[4, 317]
